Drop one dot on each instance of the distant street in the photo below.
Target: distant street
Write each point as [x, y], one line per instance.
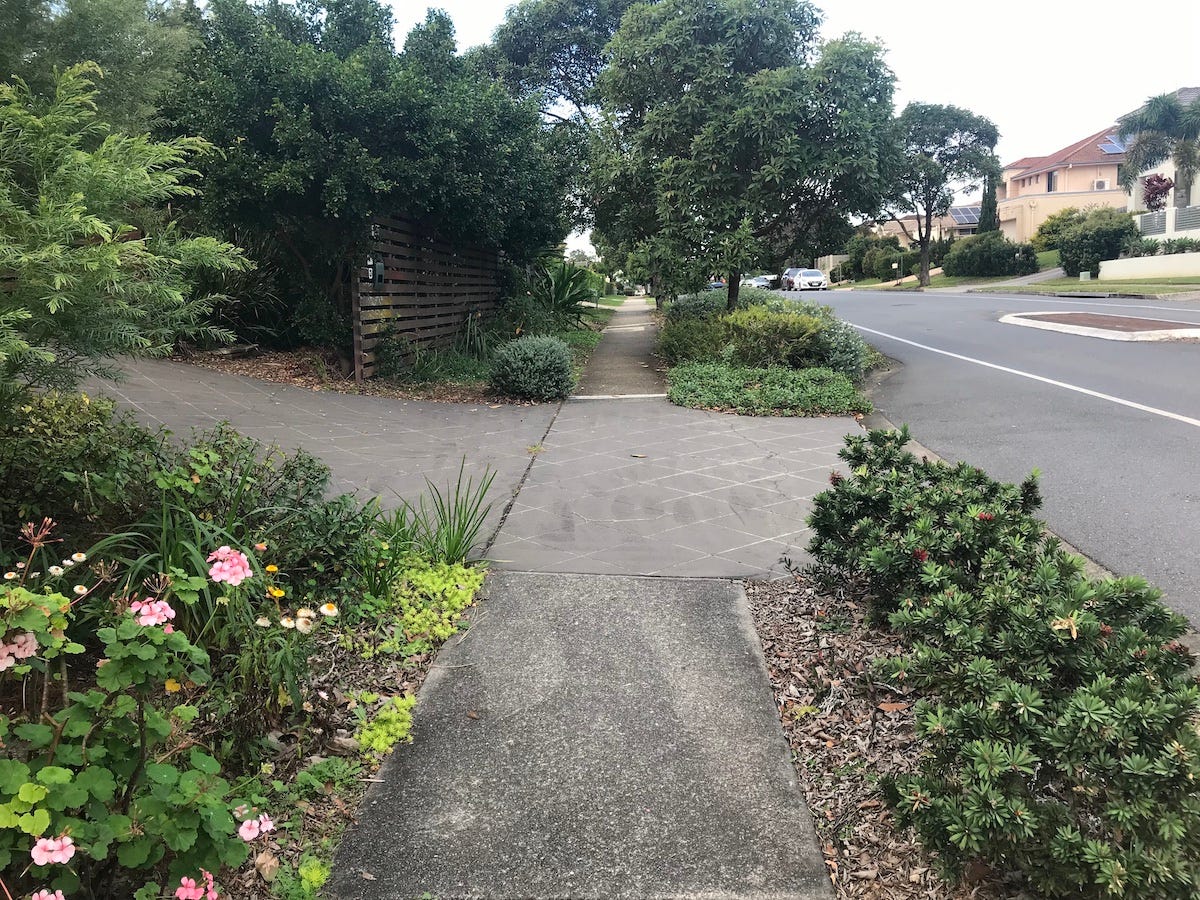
[1114, 427]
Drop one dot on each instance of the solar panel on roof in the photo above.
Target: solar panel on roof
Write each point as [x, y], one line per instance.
[1112, 144]
[965, 215]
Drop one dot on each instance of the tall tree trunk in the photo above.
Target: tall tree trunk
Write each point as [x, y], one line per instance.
[926, 238]
[735, 285]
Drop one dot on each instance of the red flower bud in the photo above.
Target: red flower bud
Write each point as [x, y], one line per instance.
[920, 555]
[985, 517]
[836, 477]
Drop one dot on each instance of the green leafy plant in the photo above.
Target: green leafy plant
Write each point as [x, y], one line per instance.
[1057, 713]
[1099, 236]
[72, 458]
[390, 724]
[565, 292]
[775, 391]
[533, 368]
[897, 518]
[990, 254]
[445, 525]
[689, 338]
[93, 268]
[1049, 234]
[760, 337]
[109, 775]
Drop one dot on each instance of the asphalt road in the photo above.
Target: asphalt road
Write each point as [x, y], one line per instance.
[1120, 467]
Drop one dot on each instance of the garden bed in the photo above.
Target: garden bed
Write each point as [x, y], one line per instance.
[845, 730]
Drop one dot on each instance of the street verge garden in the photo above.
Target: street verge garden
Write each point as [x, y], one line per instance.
[203, 657]
[770, 356]
[946, 670]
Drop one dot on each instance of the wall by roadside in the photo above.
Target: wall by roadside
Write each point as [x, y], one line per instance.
[1177, 264]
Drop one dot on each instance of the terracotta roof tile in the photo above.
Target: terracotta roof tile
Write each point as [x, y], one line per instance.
[1081, 153]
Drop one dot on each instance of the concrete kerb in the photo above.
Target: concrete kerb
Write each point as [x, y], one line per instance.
[1027, 320]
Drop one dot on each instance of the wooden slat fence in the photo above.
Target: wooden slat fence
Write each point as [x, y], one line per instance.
[419, 285]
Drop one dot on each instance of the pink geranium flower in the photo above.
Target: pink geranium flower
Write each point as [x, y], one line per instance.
[249, 830]
[153, 612]
[52, 850]
[265, 824]
[229, 565]
[45, 894]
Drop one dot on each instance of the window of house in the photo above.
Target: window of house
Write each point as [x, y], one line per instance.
[1051, 182]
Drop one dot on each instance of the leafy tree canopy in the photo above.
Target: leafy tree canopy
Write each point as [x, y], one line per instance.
[139, 45]
[90, 268]
[322, 125]
[944, 149]
[730, 134]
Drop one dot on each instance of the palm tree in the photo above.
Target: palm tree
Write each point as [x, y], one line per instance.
[1165, 128]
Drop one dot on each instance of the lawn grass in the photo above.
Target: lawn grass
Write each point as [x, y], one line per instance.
[612, 300]
[865, 282]
[1175, 285]
[1048, 259]
[774, 391]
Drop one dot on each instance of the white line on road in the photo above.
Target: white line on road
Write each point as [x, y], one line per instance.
[1166, 414]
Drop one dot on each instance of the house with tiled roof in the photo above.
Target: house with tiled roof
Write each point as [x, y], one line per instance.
[1085, 173]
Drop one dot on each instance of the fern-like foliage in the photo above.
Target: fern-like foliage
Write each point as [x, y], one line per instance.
[92, 264]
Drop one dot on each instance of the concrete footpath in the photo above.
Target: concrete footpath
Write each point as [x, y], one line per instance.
[591, 736]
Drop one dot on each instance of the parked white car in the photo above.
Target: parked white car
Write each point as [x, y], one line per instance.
[810, 280]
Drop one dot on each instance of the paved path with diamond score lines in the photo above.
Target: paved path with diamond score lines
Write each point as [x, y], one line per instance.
[606, 727]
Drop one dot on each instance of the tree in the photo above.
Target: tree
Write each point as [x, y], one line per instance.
[1163, 129]
[322, 128]
[91, 266]
[989, 214]
[729, 133]
[554, 49]
[945, 148]
[139, 44]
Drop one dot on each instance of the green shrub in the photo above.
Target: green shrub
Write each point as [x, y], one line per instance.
[1061, 737]
[775, 391]
[518, 316]
[836, 346]
[1141, 246]
[116, 767]
[74, 459]
[1101, 235]
[564, 291]
[989, 254]
[684, 339]
[1058, 725]
[696, 306]
[899, 516]
[533, 368]
[1180, 245]
[761, 337]
[712, 303]
[906, 262]
[1050, 232]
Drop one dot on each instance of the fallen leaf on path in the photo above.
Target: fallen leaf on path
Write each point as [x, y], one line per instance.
[638, 455]
[894, 707]
[267, 864]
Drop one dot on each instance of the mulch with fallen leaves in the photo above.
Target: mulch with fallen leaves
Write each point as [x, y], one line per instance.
[339, 678]
[319, 370]
[847, 729]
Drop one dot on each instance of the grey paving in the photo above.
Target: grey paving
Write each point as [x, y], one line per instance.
[624, 363]
[591, 737]
[378, 447]
[641, 487]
